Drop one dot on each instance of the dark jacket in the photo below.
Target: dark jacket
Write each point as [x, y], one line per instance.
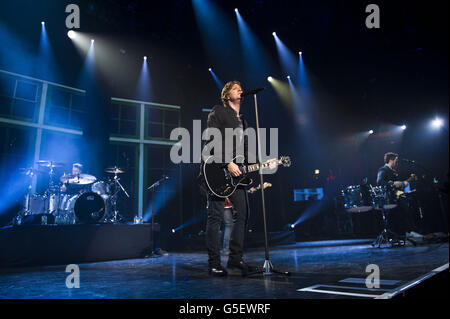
[386, 175]
[222, 117]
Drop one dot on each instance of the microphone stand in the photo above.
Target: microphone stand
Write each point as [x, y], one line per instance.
[268, 268]
[152, 188]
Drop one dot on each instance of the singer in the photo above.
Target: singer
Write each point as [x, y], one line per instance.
[221, 117]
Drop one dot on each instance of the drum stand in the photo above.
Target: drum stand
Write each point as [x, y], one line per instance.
[26, 210]
[118, 187]
[155, 251]
[387, 237]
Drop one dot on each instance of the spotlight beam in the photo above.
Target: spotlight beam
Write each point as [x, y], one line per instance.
[219, 83]
[286, 57]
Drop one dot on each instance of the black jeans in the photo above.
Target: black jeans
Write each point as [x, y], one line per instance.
[213, 223]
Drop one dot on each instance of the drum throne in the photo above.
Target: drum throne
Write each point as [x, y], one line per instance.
[384, 200]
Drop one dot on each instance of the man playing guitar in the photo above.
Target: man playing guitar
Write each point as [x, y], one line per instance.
[221, 117]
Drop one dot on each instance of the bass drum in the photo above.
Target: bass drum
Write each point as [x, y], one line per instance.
[89, 208]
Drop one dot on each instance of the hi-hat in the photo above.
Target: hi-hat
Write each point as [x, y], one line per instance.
[49, 164]
[114, 170]
[30, 171]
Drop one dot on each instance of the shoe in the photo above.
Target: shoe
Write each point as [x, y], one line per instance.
[241, 266]
[217, 271]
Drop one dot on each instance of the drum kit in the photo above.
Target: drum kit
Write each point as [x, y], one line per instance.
[365, 198]
[75, 198]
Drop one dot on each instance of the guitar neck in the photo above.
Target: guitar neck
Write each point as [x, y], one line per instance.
[256, 167]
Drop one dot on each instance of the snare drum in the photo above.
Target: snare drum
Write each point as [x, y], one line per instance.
[357, 199]
[383, 197]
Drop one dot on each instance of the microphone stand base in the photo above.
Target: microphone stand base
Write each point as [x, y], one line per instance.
[268, 270]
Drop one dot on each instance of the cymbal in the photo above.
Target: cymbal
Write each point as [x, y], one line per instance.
[30, 171]
[81, 179]
[27, 171]
[114, 170]
[49, 164]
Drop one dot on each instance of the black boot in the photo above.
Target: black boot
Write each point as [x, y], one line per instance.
[242, 267]
[217, 271]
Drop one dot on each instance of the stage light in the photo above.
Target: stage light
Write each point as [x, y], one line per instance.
[145, 57]
[71, 34]
[269, 78]
[236, 10]
[274, 34]
[403, 127]
[300, 52]
[288, 76]
[437, 123]
[43, 22]
[316, 171]
[92, 41]
[371, 132]
[292, 226]
[173, 231]
[219, 83]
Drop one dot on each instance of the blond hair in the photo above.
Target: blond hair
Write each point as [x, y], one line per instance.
[226, 90]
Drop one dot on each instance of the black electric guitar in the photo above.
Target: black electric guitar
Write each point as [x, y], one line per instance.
[222, 184]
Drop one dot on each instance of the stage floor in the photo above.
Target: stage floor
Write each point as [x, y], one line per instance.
[339, 267]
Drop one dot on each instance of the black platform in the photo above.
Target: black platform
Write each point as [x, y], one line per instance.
[27, 245]
[319, 270]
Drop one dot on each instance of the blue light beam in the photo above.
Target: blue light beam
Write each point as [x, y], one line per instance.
[286, 57]
[219, 83]
[144, 89]
[303, 81]
[192, 221]
[256, 59]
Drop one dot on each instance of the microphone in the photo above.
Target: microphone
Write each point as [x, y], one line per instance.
[252, 92]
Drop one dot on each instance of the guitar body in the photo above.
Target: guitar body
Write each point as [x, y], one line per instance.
[219, 181]
[222, 184]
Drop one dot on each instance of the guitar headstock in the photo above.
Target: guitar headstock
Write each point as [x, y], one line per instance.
[266, 185]
[285, 161]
